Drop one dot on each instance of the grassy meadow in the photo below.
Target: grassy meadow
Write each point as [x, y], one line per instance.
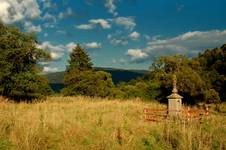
[82, 123]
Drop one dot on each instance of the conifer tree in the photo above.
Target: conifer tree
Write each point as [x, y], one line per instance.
[79, 59]
[80, 79]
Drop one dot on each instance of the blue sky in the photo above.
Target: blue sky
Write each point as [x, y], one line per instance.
[127, 34]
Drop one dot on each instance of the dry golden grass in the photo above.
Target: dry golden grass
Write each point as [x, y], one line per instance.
[86, 123]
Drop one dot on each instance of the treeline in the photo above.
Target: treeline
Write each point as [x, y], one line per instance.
[200, 79]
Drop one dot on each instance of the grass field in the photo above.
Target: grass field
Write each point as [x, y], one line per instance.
[71, 123]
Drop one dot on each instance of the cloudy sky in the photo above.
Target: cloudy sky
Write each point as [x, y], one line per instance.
[126, 34]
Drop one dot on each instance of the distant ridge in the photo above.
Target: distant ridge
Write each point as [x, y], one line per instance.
[118, 75]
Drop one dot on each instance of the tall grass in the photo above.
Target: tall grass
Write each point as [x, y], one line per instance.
[86, 123]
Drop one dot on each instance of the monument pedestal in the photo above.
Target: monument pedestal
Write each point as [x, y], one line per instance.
[174, 101]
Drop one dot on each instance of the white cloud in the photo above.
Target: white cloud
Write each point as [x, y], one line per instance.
[49, 25]
[48, 46]
[111, 7]
[120, 61]
[93, 23]
[134, 35]
[32, 28]
[117, 38]
[93, 45]
[49, 17]
[50, 69]
[56, 55]
[61, 32]
[189, 44]
[136, 54]
[66, 14]
[12, 11]
[85, 26]
[118, 42]
[102, 22]
[127, 22]
[70, 46]
[56, 51]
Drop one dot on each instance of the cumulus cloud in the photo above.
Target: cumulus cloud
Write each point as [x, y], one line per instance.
[50, 69]
[93, 45]
[136, 54]
[32, 28]
[93, 23]
[85, 26]
[134, 35]
[12, 11]
[189, 44]
[111, 7]
[127, 22]
[118, 42]
[56, 51]
[102, 22]
[118, 38]
[56, 55]
[70, 46]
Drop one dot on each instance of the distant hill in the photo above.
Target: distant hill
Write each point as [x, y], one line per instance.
[56, 79]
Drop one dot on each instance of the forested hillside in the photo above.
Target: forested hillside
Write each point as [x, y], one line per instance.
[117, 75]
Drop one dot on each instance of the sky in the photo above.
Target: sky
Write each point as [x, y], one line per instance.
[127, 34]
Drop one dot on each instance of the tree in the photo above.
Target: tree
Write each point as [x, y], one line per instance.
[88, 83]
[18, 61]
[79, 59]
[213, 63]
[80, 79]
[190, 84]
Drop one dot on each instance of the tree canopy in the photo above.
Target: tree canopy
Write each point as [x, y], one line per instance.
[18, 61]
[79, 59]
[81, 79]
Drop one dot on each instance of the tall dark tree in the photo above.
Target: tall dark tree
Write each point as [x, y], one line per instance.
[80, 79]
[18, 65]
[79, 59]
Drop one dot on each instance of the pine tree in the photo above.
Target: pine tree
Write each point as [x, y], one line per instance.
[79, 60]
[80, 79]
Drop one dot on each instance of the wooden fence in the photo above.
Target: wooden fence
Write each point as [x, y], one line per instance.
[157, 115]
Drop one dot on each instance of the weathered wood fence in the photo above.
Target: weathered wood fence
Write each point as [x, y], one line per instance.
[158, 115]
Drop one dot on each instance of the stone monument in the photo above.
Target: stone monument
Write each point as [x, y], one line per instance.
[174, 100]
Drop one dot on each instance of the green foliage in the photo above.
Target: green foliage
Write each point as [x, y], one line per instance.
[211, 96]
[79, 59]
[18, 58]
[88, 83]
[28, 86]
[80, 79]
[190, 84]
[132, 89]
[213, 63]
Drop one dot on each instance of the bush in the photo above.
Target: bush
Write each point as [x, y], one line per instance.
[88, 83]
[212, 96]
